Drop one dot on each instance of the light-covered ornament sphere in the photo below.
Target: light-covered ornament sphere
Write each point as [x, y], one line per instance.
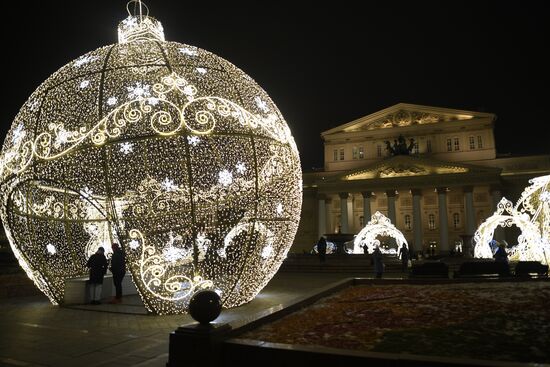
[166, 148]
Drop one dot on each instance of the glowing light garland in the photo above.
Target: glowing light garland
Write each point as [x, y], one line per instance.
[379, 225]
[505, 216]
[530, 215]
[165, 148]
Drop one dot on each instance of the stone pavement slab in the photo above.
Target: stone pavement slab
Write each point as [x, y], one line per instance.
[35, 333]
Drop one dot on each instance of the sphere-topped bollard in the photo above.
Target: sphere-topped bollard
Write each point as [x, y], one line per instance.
[205, 306]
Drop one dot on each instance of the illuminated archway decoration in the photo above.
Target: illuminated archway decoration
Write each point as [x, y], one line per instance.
[535, 201]
[164, 147]
[379, 225]
[529, 241]
[331, 248]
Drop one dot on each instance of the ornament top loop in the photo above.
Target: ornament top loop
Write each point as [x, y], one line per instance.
[138, 7]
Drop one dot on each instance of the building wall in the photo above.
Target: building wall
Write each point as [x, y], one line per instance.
[352, 143]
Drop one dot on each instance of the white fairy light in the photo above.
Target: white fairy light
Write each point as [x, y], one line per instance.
[189, 90]
[267, 251]
[241, 168]
[193, 140]
[84, 84]
[138, 90]
[134, 244]
[279, 209]
[34, 105]
[261, 104]
[168, 185]
[112, 101]
[51, 249]
[84, 60]
[18, 134]
[126, 148]
[153, 101]
[86, 192]
[225, 177]
[187, 51]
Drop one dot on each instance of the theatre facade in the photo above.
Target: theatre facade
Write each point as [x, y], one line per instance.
[434, 172]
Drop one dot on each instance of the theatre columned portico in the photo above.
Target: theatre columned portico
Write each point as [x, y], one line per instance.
[439, 179]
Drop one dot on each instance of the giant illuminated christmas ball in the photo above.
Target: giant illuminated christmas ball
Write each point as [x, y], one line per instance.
[166, 148]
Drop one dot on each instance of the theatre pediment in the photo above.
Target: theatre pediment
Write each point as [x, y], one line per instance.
[404, 114]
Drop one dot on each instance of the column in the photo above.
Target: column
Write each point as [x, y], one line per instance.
[322, 215]
[469, 210]
[351, 217]
[443, 220]
[417, 221]
[470, 222]
[329, 217]
[344, 212]
[366, 206]
[391, 206]
[496, 196]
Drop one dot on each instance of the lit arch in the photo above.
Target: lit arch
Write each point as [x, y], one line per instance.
[528, 247]
[535, 201]
[379, 225]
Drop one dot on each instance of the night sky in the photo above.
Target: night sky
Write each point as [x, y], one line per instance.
[322, 65]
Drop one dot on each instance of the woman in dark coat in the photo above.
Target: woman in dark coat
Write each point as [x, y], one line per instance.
[98, 267]
[378, 262]
[404, 254]
[118, 268]
[322, 249]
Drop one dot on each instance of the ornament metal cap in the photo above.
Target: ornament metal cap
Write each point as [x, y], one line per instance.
[139, 27]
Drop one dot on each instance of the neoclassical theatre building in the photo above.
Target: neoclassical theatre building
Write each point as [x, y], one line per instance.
[441, 184]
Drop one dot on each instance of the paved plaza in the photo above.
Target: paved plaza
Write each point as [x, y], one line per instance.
[35, 333]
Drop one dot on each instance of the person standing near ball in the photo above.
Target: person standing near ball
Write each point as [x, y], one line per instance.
[118, 268]
[98, 267]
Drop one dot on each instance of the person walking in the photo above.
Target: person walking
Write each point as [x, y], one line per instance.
[501, 257]
[322, 249]
[404, 255]
[378, 262]
[118, 268]
[97, 263]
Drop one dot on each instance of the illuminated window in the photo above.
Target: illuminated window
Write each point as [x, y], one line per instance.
[472, 143]
[479, 142]
[456, 220]
[379, 150]
[355, 153]
[341, 154]
[415, 148]
[457, 144]
[431, 221]
[361, 221]
[361, 153]
[407, 221]
[428, 146]
[335, 154]
[449, 145]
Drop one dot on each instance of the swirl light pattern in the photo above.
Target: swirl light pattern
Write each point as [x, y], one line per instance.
[165, 148]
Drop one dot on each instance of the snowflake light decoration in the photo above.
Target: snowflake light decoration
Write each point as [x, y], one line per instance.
[65, 180]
